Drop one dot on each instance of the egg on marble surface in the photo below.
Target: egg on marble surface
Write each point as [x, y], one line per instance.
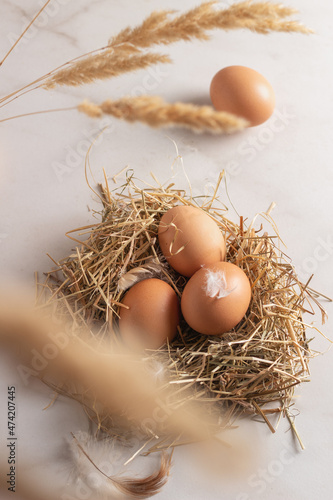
[189, 238]
[149, 315]
[243, 92]
[216, 298]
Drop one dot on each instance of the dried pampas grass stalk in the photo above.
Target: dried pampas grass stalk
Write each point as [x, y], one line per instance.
[127, 52]
[165, 28]
[86, 366]
[98, 371]
[124, 52]
[24, 31]
[102, 66]
[154, 111]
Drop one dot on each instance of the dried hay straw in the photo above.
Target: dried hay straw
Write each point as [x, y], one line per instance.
[259, 362]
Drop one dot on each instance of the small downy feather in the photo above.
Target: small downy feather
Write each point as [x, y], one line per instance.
[95, 461]
[216, 285]
[100, 453]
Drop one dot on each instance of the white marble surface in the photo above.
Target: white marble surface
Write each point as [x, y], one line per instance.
[287, 160]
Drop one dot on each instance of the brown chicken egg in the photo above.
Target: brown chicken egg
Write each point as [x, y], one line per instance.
[189, 239]
[150, 316]
[243, 92]
[216, 298]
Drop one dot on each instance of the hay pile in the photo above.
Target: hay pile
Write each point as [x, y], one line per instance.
[258, 363]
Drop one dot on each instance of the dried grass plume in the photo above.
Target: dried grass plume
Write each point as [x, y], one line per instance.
[126, 51]
[165, 28]
[101, 66]
[154, 111]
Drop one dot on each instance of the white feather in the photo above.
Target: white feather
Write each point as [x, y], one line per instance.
[103, 455]
[155, 369]
[216, 285]
[108, 458]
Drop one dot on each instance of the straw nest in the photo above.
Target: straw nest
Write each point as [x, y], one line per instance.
[252, 369]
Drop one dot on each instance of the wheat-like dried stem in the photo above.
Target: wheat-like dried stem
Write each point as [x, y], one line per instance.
[125, 51]
[161, 28]
[100, 66]
[24, 31]
[111, 376]
[154, 111]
